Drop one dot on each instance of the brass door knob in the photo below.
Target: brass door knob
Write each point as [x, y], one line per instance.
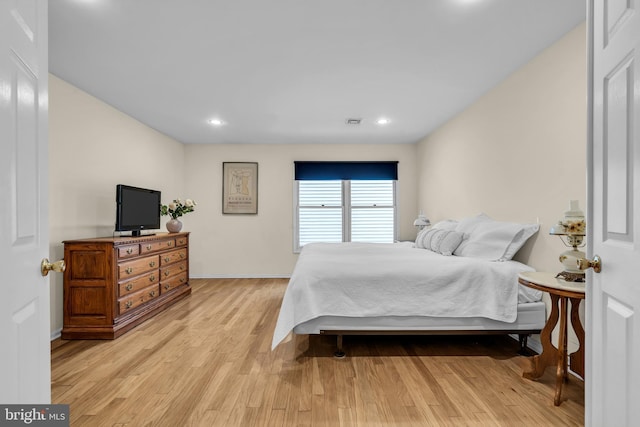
[46, 266]
[596, 264]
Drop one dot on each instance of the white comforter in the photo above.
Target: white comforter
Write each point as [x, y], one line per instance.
[369, 279]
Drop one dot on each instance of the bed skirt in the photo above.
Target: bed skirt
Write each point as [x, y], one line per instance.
[531, 317]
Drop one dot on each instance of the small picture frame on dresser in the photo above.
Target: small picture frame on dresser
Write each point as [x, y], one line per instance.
[239, 188]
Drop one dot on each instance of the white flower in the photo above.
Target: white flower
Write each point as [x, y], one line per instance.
[176, 208]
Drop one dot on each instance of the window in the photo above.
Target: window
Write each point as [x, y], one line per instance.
[344, 202]
[344, 211]
[319, 212]
[373, 211]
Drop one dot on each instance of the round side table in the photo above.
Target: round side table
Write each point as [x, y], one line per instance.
[560, 292]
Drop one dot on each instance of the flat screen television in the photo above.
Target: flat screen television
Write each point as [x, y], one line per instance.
[137, 209]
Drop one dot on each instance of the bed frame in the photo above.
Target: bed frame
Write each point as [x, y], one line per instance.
[340, 353]
[531, 320]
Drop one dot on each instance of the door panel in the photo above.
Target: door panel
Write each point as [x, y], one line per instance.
[615, 14]
[618, 98]
[25, 375]
[613, 296]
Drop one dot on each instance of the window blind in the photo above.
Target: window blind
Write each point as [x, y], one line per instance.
[317, 170]
[372, 211]
[320, 212]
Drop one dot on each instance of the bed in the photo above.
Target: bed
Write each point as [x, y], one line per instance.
[421, 287]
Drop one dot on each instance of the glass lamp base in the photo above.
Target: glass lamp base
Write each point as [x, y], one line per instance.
[569, 260]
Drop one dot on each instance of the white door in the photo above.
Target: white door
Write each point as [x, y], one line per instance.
[25, 367]
[613, 296]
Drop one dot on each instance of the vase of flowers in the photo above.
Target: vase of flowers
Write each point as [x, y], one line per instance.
[176, 209]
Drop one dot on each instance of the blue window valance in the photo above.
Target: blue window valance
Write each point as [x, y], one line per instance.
[314, 170]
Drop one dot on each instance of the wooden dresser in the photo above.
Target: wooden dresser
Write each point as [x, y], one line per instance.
[112, 284]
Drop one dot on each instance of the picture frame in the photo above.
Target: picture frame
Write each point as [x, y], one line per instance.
[240, 188]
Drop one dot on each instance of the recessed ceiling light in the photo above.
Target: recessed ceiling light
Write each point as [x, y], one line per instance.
[215, 122]
[382, 121]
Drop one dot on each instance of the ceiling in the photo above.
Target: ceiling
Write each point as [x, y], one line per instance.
[293, 71]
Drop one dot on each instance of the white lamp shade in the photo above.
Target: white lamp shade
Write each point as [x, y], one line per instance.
[421, 221]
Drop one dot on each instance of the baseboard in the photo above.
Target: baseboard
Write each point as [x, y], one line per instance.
[534, 343]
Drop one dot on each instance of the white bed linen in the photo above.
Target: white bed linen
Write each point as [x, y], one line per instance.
[373, 280]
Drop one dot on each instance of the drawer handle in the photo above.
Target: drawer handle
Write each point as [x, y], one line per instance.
[129, 251]
[182, 267]
[182, 280]
[129, 286]
[129, 270]
[152, 264]
[181, 242]
[166, 287]
[167, 272]
[149, 247]
[152, 278]
[181, 255]
[169, 243]
[152, 293]
[167, 259]
[128, 304]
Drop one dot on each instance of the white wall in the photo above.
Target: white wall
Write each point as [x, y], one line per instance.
[518, 153]
[262, 245]
[92, 148]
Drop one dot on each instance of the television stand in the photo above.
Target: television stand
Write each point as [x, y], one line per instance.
[138, 233]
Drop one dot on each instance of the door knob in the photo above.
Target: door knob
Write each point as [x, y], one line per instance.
[596, 264]
[46, 266]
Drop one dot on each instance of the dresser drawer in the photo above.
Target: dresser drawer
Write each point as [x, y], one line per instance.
[182, 241]
[173, 256]
[172, 270]
[173, 282]
[138, 266]
[128, 251]
[134, 300]
[130, 286]
[150, 247]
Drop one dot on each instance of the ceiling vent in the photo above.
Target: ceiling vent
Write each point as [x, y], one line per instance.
[353, 121]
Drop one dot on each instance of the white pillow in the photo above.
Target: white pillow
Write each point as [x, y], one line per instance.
[492, 240]
[418, 243]
[447, 224]
[519, 240]
[443, 242]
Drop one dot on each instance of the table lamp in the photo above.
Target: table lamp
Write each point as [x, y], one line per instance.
[571, 229]
[422, 221]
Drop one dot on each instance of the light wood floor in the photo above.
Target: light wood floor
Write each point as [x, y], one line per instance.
[207, 362]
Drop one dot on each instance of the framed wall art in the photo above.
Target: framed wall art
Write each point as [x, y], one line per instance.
[239, 188]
